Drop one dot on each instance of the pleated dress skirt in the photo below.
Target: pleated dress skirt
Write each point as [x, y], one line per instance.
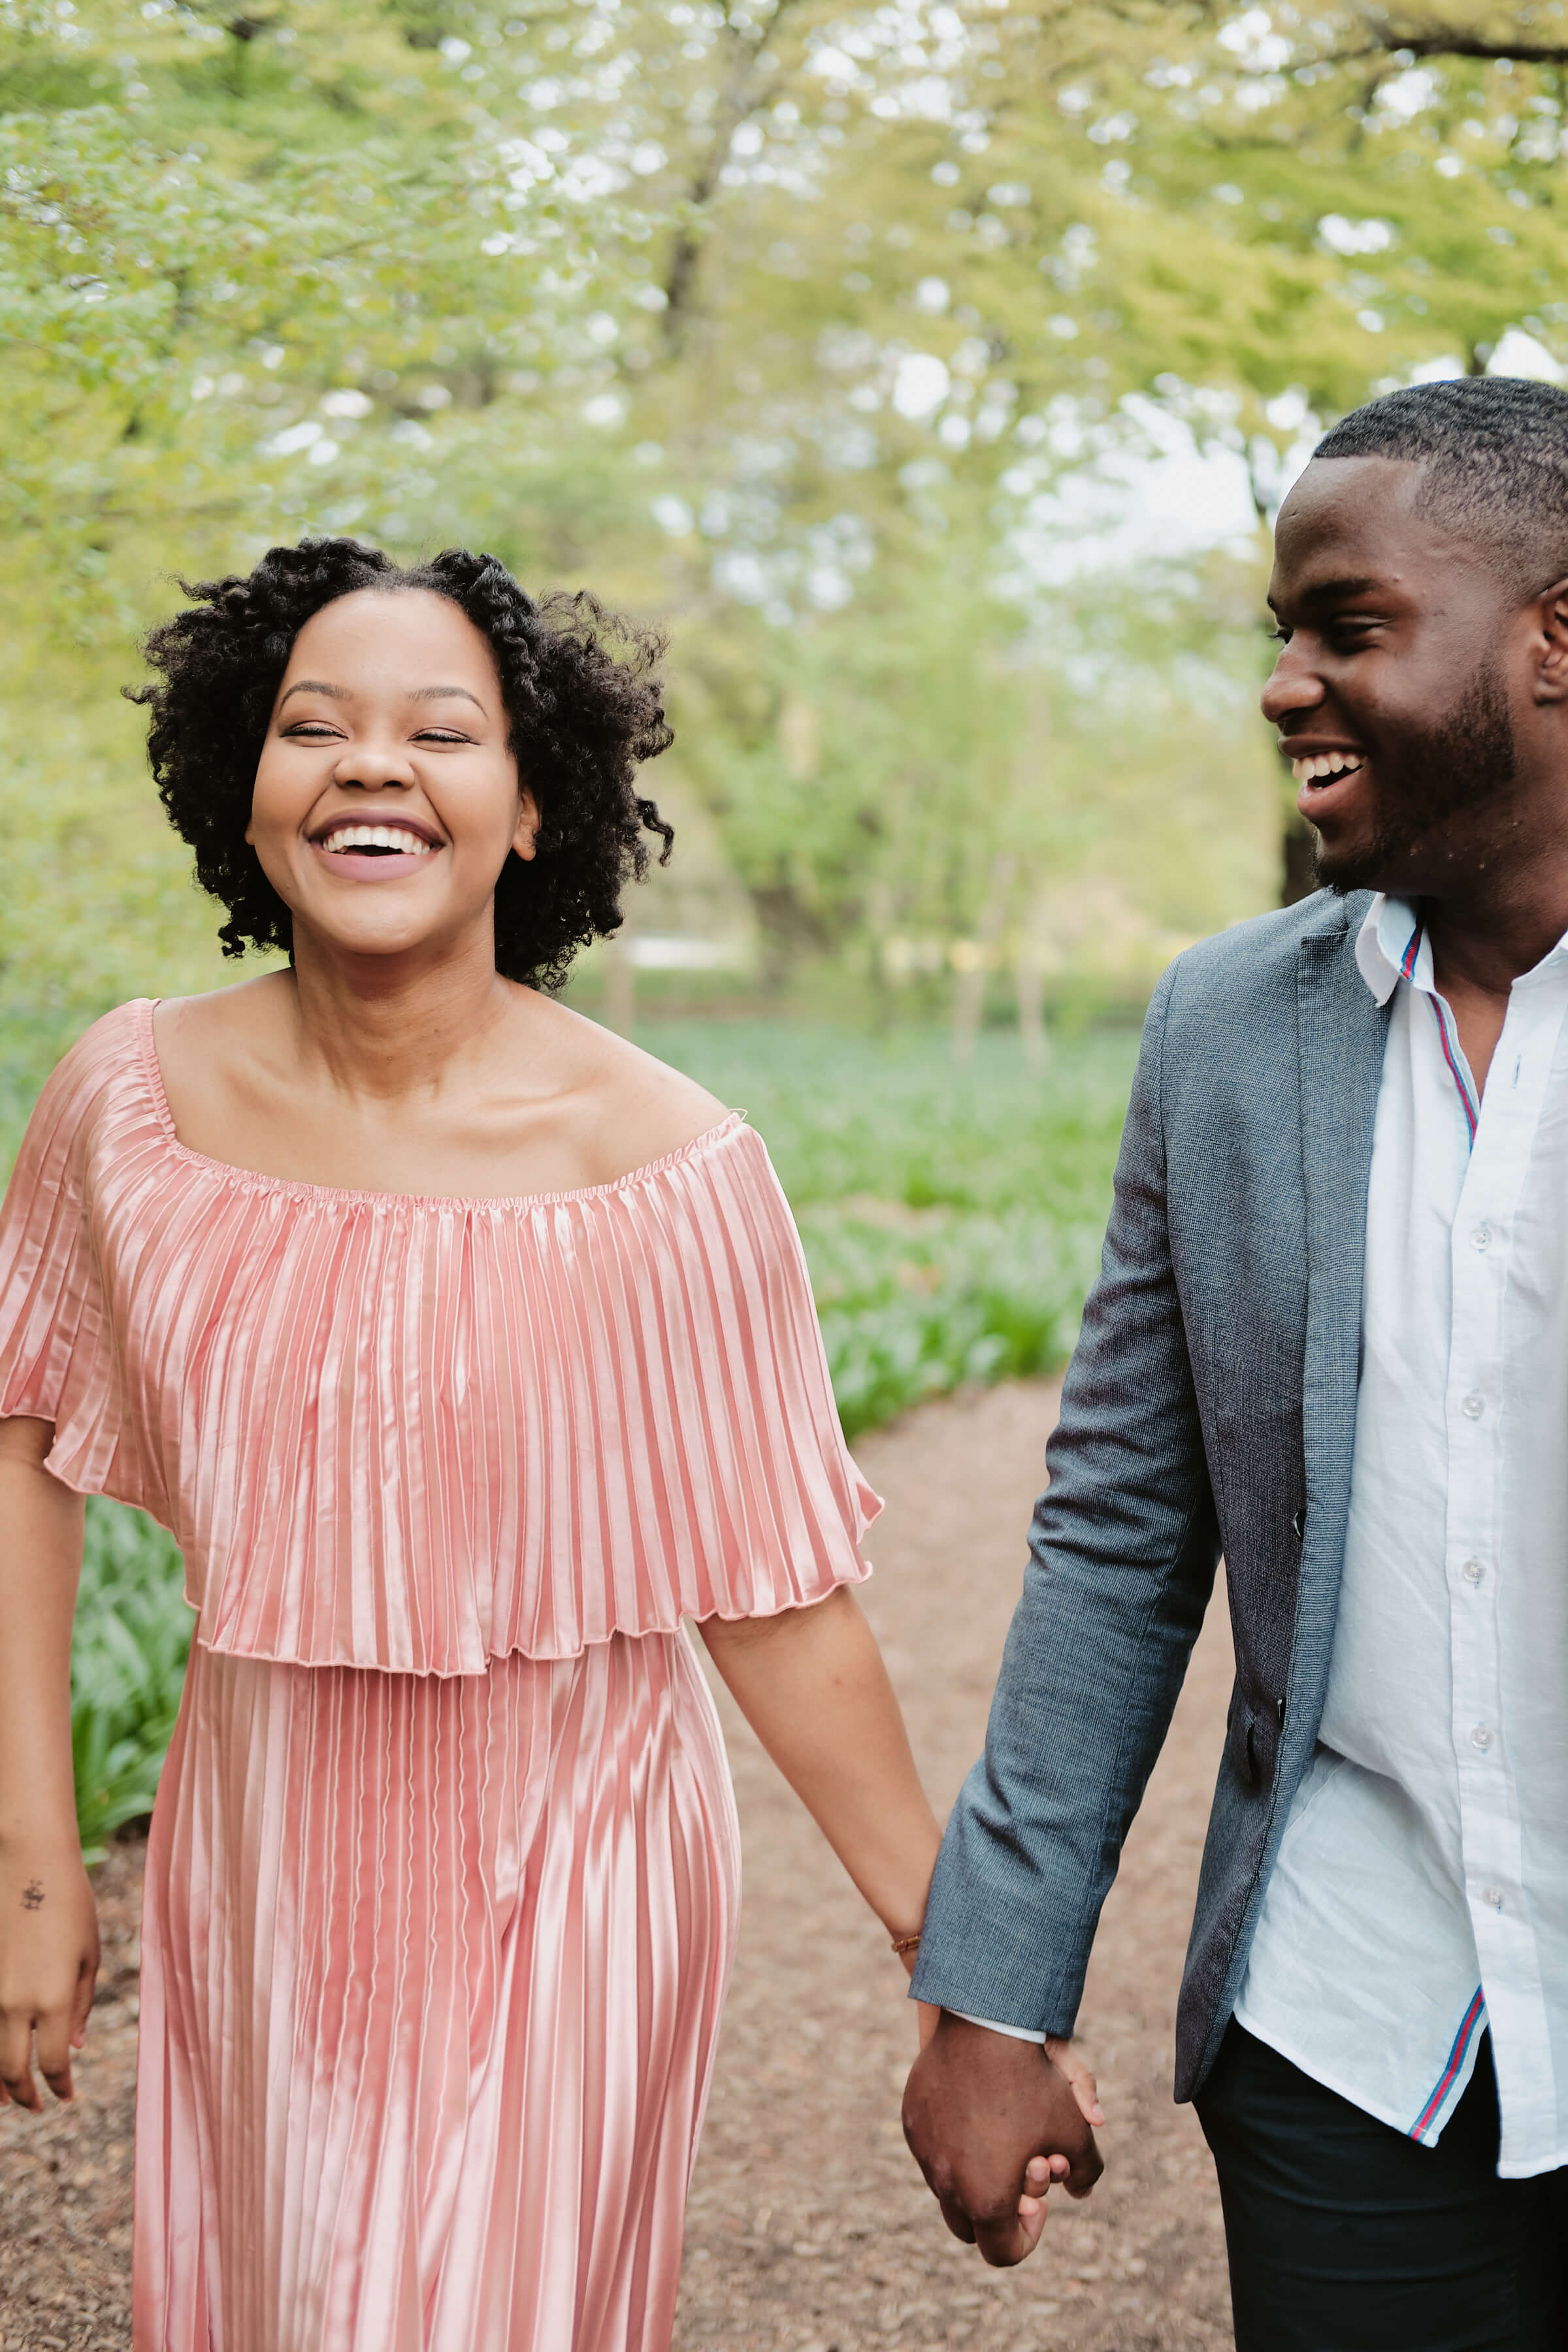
[431, 1975]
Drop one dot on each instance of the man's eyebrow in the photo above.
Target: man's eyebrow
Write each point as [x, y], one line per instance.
[1331, 591]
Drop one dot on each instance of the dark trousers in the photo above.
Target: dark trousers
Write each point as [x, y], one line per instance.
[1344, 2236]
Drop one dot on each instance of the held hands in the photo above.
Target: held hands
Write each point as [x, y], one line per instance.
[993, 2124]
[48, 1963]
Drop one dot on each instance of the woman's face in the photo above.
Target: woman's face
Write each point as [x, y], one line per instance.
[386, 798]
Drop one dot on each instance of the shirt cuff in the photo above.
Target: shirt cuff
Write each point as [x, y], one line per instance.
[1014, 2032]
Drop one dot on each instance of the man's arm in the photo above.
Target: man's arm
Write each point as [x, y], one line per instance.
[1123, 1552]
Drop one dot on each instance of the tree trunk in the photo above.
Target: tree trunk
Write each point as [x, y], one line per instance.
[1031, 977]
[969, 997]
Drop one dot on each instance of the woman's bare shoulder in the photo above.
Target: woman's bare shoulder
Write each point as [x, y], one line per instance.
[631, 1109]
[239, 1014]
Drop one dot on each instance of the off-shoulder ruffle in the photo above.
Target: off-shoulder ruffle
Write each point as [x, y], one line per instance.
[415, 1434]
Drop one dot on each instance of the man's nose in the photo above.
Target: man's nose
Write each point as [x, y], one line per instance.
[1292, 685]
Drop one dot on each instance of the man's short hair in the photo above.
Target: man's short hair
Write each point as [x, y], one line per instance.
[1495, 450]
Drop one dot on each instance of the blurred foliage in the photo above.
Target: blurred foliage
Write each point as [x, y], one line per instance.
[128, 1668]
[951, 1220]
[788, 319]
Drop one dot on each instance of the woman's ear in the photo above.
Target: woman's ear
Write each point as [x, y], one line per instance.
[526, 834]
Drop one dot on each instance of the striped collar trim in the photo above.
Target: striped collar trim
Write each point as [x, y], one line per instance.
[1391, 946]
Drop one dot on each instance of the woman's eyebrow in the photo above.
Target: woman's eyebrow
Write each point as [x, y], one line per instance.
[435, 693]
[416, 693]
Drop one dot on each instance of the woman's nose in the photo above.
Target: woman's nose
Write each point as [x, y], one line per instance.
[372, 769]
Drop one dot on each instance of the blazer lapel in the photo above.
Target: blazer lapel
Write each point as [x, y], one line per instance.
[1342, 1033]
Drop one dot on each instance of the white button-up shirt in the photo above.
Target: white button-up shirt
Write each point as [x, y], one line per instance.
[1420, 1896]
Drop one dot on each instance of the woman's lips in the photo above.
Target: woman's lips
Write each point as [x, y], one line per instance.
[371, 864]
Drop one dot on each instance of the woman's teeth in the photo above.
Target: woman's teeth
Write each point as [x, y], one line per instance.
[1325, 765]
[378, 836]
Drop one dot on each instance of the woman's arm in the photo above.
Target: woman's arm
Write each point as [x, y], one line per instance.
[48, 1921]
[811, 1685]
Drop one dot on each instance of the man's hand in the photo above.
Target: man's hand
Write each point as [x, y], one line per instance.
[992, 2123]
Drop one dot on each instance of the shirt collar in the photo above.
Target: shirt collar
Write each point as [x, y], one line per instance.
[1392, 945]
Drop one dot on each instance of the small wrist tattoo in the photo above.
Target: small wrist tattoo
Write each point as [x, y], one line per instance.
[32, 1894]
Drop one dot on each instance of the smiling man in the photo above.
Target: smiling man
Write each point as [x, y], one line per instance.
[1330, 1339]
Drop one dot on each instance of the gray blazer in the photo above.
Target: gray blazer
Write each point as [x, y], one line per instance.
[1209, 1408]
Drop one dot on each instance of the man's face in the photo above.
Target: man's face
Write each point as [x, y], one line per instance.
[1391, 692]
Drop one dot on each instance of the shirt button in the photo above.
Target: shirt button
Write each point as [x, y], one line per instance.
[1481, 1238]
[1480, 1737]
[1492, 1897]
[1473, 1408]
[1472, 1571]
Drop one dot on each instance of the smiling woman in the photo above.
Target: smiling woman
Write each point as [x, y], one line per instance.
[576, 719]
[466, 1351]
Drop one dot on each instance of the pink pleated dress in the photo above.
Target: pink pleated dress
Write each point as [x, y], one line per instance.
[443, 1877]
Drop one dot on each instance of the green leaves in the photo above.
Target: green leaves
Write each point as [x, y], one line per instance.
[128, 1667]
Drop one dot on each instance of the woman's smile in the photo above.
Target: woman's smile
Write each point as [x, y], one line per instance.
[380, 849]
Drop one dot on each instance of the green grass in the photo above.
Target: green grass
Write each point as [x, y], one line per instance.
[951, 1220]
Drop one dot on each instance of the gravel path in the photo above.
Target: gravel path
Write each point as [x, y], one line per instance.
[809, 2228]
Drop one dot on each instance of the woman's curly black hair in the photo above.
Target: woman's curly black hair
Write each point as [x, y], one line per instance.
[582, 719]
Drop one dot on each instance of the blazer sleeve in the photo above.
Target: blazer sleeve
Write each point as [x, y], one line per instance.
[1123, 1550]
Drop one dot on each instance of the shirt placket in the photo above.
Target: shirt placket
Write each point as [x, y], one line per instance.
[1492, 1842]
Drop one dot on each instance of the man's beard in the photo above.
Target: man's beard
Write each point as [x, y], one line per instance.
[1467, 759]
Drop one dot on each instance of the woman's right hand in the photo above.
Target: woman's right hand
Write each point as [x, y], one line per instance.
[49, 1966]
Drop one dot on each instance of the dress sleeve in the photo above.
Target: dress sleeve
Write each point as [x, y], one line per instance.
[55, 1363]
[782, 1505]
[685, 1435]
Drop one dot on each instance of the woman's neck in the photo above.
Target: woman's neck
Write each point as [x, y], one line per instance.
[378, 1028]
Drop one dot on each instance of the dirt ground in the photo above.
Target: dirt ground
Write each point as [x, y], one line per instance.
[809, 2230]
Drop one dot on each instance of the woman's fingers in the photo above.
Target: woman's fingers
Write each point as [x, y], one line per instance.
[44, 2041]
[1062, 2056]
[15, 2067]
[1038, 2175]
[81, 2006]
[52, 2047]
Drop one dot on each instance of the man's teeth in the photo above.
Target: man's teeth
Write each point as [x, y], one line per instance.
[1324, 765]
[378, 836]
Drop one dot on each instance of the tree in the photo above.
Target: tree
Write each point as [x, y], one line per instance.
[786, 320]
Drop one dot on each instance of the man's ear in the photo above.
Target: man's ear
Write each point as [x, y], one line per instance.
[526, 833]
[1552, 649]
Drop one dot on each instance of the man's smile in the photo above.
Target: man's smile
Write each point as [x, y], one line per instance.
[1325, 775]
